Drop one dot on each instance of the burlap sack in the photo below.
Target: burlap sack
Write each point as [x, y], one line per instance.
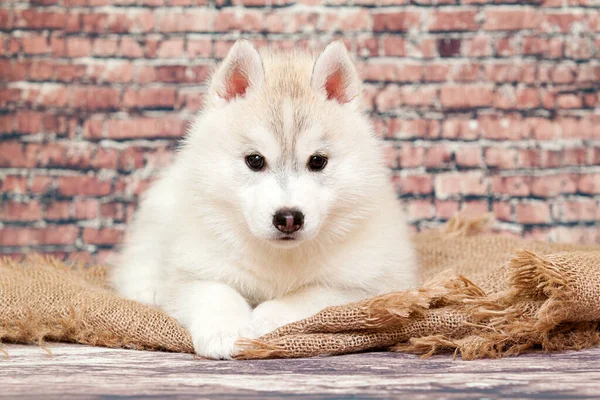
[484, 296]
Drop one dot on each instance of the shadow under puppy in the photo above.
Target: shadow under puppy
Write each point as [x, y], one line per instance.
[277, 205]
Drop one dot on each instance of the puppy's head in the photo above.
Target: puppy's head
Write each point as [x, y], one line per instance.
[284, 146]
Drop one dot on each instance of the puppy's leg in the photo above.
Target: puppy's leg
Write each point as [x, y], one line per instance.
[214, 313]
[272, 314]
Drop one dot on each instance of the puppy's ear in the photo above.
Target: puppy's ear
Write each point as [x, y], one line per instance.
[241, 72]
[335, 76]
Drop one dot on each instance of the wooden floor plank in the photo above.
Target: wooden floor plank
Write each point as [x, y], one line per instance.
[75, 371]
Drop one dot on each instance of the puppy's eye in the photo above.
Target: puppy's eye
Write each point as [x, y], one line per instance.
[317, 162]
[255, 162]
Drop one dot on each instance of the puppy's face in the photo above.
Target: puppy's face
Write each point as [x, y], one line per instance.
[294, 156]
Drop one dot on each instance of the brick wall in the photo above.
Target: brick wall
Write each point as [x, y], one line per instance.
[488, 105]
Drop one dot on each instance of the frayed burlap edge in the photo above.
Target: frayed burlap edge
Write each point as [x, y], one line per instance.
[527, 316]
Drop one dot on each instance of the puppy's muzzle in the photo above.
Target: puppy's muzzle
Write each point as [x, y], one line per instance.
[288, 220]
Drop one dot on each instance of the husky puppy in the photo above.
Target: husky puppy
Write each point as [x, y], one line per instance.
[277, 205]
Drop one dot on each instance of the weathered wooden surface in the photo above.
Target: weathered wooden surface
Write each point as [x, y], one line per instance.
[92, 372]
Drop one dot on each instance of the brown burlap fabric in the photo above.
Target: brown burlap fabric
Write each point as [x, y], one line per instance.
[483, 296]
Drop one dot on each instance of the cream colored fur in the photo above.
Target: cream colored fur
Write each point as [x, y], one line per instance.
[203, 245]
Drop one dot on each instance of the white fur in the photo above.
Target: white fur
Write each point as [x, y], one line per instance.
[203, 246]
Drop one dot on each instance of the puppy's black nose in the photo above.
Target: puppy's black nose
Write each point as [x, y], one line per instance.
[288, 220]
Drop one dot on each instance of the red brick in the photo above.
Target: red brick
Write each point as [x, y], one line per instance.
[512, 185]
[85, 209]
[477, 46]
[455, 20]
[437, 156]
[113, 211]
[94, 22]
[446, 209]
[12, 155]
[579, 49]
[406, 128]
[419, 210]
[58, 210]
[474, 208]
[149, 98]
[569, 100]
[35, 44]
[564, 157]
[244, 21]
[14, 184]
[104, 236]
[399, 21]
[500, 19]
[172, 74]
[393, 96]
[159, 157]
[410, 156]
[459, 128]
[7, 19]
[391, 71]
[171, 48]
[18, 211]
[69, 73]
[500, 158]
[506, 127]
[53, 96]
[105, 158]
[502, 211]
[468, 183]
[437, 72]
[42, 184]
[9, 96]
[94, 98]
[507, 47]
[105, 47]
[131, 159]
[545, 47]
[83, 185]
[413, 184]
[467, 156]
[131, 48]
[423, 48]
[561, 21]
[200, 20]
[564, 73]
[78, 47]
[510, 72]
[192, 100]
[29, 122]
[533, 213]
[589, 184]
[34, 19]
[51, 235]
[199, 47]
[528, 158]
[466, 96]
[553, 185]
[146, 128]
[465, 72]
[353, 20]
[585, 210]
[394, 46]
[507, 97]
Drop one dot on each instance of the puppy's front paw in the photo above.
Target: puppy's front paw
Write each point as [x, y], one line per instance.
[218, 343]
[270, 315]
